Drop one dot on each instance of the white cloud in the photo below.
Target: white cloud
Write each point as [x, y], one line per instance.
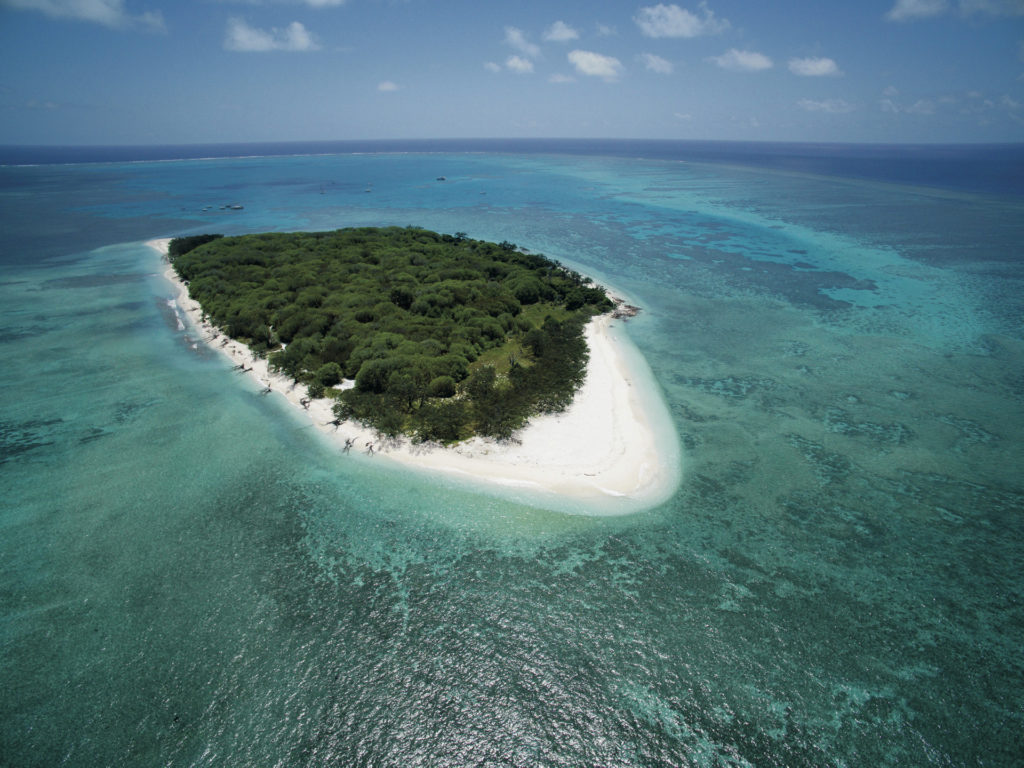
[559, 78]
[921, 107]
[992, 7]
[907, 10]
[831, 106]
[813, 67]
[560, 32]
[595, 64]
[153, 20]
[684, 116]
[490, 66]
[517, 40]
[656, 63]
[310, 3]
[519, 64]
[603, 30]
[672, 21]
[970, 103]
[742, 61]
[109, 13]
[916, 9]
[239, 36]
[387, 86]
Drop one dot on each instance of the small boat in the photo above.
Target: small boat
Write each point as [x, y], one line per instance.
[441, 178]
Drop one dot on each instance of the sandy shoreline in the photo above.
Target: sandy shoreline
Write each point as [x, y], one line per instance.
[612, 451]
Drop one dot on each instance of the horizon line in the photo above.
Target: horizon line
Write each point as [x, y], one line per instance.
[254, 142]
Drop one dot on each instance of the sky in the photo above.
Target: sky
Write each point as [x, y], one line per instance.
[198, 71]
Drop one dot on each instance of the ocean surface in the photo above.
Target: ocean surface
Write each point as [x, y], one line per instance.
[189, 577]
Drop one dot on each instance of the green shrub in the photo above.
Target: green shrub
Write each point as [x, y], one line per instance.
[329, 374]
[442, 386]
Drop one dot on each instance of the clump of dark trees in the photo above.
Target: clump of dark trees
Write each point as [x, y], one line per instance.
[445, 336]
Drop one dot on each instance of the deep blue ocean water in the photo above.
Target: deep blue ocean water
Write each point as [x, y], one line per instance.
[188, 577]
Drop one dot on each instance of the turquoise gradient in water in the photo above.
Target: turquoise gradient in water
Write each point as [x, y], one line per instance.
[190, 578]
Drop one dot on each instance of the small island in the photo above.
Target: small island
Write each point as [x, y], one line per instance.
[479, 361]
[444, 337]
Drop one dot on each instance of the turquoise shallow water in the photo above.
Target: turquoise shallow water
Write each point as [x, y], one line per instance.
[189, 578]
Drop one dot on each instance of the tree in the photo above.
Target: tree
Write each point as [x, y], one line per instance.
[373, 376]
[182, 245]
[402, 296]
[444, 422]
[480, 384]
[329, 374]
[442, 386]
[404, 389]
[536, 341]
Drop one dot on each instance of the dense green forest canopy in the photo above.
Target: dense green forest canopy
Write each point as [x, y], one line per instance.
[445, 336]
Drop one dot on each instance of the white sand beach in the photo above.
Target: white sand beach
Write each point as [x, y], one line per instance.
[612, 451]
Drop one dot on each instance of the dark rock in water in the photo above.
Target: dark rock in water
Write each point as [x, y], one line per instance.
[17, 438]
[94, 433]
[837, 420]
[828, 466]
[971, 433]
[731, 387]
[94, 281]
[625, 311]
